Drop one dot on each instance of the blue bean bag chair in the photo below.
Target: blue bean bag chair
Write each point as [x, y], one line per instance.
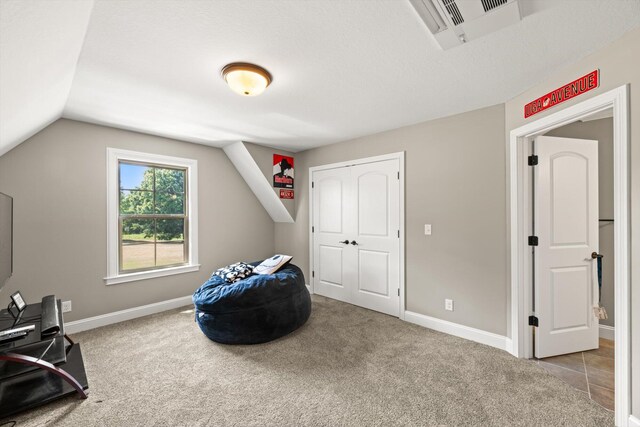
[254, 310]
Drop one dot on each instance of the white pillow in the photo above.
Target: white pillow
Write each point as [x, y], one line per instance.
[273, 264]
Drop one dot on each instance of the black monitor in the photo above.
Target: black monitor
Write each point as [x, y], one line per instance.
[6, 238]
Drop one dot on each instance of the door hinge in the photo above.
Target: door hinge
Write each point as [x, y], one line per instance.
[398, 175]
[398, 234]
[313, 229]
[533, 321]
[533, 240]
[313, 184]
[398, 291]
[533, 160]
[313, 274]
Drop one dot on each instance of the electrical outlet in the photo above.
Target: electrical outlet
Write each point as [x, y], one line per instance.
[427, 229]
[66, 306]
[448, 304]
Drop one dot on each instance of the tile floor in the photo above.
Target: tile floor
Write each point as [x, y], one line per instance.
[589, 371]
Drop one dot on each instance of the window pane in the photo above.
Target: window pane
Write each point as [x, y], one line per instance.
[136, 177]
[170, 252]
[170, 246]
[150, 193]
[169, 203]
[137, 240]
[136, 202]
[170, 180]
[170, 230]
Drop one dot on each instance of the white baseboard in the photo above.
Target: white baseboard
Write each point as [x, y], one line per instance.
[608, 332]
[634, 421]
[508, 345]
[128, 314]
[466, 332]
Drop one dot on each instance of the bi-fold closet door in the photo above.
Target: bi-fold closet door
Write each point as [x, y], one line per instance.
[356, 234]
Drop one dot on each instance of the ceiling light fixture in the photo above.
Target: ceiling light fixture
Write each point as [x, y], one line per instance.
[246, 79]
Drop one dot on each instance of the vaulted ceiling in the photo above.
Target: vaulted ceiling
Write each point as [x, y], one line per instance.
[341, 69]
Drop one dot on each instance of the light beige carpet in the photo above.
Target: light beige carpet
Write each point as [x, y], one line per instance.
[347, 366]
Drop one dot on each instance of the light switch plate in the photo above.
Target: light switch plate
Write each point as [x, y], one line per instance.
[66, 306]
[427, 229]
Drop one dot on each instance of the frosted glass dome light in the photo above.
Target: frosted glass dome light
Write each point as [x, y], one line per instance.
[246, 79]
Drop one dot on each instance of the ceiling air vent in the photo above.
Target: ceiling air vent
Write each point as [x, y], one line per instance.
[492, 4]
[454, 12]
[454, 22]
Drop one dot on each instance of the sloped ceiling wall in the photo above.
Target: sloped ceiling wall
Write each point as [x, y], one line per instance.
[263, 157]
[40, 44]
[342, 69]
[257, 181]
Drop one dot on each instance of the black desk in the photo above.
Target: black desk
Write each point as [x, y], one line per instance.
[27, 377]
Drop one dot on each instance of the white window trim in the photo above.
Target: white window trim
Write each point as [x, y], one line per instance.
[114, 156]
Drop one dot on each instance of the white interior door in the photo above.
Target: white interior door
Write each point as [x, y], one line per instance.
[566, 223]
[356, 244]
[331, 233]
[377, 235]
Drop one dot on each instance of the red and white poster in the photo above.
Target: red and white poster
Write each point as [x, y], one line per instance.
[577, 87]
[286, 194]
[282, 171]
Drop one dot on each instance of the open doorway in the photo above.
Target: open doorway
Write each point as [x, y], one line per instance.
[577, 347]
[520, 200]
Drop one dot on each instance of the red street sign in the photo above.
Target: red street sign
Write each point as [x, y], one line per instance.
[564, 93]
[286, 194]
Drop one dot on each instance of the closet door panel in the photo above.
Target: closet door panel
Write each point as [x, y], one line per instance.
[332, 256]
[376, 192]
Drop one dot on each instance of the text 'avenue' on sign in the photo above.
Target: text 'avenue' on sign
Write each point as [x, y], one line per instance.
[566, 92]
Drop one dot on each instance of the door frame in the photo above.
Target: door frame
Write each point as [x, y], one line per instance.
[391, 156]
[519, 192]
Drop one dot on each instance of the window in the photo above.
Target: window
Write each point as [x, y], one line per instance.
[152, 217]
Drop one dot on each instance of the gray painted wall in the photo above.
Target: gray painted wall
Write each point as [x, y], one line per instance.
[619, 64]
[455, 180]
[58, 181]
[602, 131]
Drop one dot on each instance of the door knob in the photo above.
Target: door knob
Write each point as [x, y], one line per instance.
[354, 243]
[596, 255]
[346, 242]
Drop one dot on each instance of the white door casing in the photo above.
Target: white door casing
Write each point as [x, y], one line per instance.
[566, 223]
[519, 217]
[356, 243]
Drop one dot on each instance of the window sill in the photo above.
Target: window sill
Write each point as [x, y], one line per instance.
[142, 275]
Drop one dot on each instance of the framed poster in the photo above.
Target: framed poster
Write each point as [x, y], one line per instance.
[282, 171]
